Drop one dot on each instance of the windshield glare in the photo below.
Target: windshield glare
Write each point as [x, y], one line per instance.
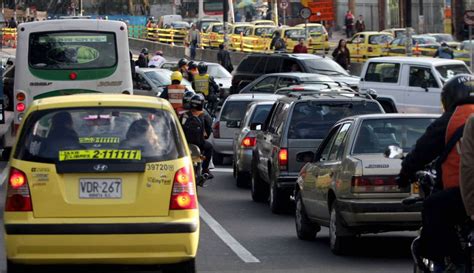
[72, 50]
[218, 72]
[449, 71]
[295, 34]
[316, 29]
[325, 66]
[119, 135]
[376, 135]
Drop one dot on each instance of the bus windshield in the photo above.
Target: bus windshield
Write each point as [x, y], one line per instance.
[72, 50]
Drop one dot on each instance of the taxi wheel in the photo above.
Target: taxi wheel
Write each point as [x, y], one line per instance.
[184, 267]
[337, 242]
[258, 188]
[305, 229]
[279, 198]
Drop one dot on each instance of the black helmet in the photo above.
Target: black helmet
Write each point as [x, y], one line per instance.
[202, 68]
[188, 95]
[192, 65]
[144, 51]
[197, 102]
[182, 62]
[457, 89]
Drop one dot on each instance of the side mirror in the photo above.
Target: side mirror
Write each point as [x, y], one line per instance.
[5, 154]
[305, 157]
[424, 85]
[256, 126]
[233, 124]
[195, 152]
[393, 152]
[221, 85]
[372, 93]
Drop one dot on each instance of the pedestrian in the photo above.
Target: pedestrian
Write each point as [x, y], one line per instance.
[269, 15]
[248, 17]
[341, 55]
[300, 47]
[278, 44]
[349, 23]
[223, 58]
[12, 23]
[238, 17]
[149, 23]
[193, 41]
[444, 52]
[157, 61]
[145, 52]
[360, 24]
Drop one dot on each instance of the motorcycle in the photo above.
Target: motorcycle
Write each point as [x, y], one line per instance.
[427, 185]
[197, 159]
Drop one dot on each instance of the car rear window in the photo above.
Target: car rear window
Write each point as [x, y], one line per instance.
[260, 114]
[375, 135]
[234, 110]
[119, 135]
[323, 115]
[247, 65]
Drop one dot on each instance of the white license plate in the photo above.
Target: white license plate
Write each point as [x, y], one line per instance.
[99, 188]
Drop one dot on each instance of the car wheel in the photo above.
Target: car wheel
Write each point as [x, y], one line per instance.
[305, 229]
[217, 158]
[258, 188]
[279, 198]
[184, 267]
[337, 242]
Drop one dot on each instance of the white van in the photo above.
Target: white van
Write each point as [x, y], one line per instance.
[409, 84]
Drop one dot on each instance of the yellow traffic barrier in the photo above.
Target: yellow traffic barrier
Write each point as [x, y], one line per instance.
[171, 36]
[9, 37]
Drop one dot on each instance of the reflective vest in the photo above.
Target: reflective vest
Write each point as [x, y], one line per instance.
[175, 96]
[201, 84]
[450, 166]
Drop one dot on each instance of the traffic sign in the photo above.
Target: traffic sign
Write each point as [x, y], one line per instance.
[469, 17]
[305, 13]
[283, 4]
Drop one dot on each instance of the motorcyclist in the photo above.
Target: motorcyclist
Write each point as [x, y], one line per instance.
[443, 209]
[200, 138]
[175, 91]
[205, 84]
[158, 60]
[192, 70]
[145, 52]
[183, 67]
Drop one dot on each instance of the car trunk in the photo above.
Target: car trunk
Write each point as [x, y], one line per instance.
[127, 190]
[296, 146]
[226, 132]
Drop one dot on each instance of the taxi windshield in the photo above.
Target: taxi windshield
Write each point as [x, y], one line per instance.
[264, 31]
[375, 135]
[121, 135]
[72, 50]
[218, 29]
[316, 29]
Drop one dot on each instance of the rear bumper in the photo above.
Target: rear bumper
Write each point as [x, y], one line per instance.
[287, 181]
[381, 214]
[223, 145]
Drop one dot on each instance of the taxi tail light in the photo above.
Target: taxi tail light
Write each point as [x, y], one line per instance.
[249, 142]
[283, 159]
[216, 130]
[18, 192]
[370, 184]
[183, 195]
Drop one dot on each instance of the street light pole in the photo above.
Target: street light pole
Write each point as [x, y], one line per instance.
[225, 19]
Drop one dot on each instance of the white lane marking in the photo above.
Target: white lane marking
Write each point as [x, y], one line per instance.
[4, 174]
[225, 236]
[223, 170]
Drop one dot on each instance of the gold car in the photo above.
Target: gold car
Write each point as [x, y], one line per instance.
[319, 38]
[102, 179]
[369, 44]
[257, 38]
[236, 33]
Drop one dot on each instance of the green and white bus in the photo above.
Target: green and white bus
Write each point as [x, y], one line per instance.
[65, 57]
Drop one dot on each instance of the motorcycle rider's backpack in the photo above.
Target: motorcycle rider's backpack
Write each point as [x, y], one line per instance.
[450, 159]
[279, 44]
[193, 128]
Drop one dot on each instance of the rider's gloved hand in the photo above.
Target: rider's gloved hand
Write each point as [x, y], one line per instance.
[404, 180]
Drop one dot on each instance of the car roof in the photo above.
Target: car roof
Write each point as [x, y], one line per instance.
[252, 96]
[374, 32]
[390, 116]
[303, 56]
[416, 60]
[263, 102]
[325, 95]
[142, 69]
[101, 100]
[298, 75]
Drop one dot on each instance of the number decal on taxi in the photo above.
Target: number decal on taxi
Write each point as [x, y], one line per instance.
[99, 154]
[159, 167]
[98, 140]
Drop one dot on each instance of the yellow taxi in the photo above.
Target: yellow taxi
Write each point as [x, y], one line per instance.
[369, 44]
[213, 35]
[101, 179]
[236, 32]
[399, 32]
[291, 36]
[422, 45]
[263, 23]
[319, 38]
[257, 38]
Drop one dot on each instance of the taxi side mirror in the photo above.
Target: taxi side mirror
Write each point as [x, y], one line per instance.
[5, 154]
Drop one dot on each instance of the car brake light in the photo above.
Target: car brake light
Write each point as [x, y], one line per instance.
[249, 142]
[183, 195]
[370, 49]
[20, 107]
[371, 184]
[18, 192]
[283, 159]
[216, 130]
